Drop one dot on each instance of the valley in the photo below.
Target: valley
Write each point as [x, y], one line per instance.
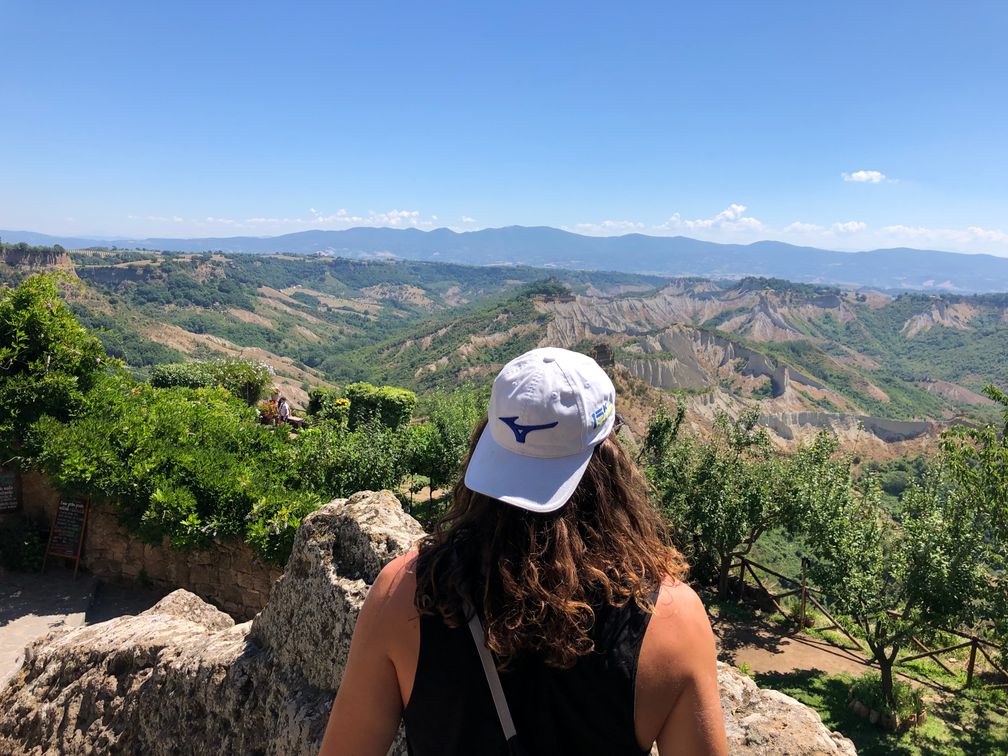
[882, 370]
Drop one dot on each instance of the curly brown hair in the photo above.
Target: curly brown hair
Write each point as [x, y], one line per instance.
[534, 577]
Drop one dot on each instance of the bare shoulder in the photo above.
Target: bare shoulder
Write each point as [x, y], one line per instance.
[676, 666]
[395, 587]
[678, 606]
[679, 639]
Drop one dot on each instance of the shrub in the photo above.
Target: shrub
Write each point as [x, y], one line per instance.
[326, 404]
[47, 359]
[190, 375]
[391, 406]
[273, 523]
[190, 464]
[245, 380]
[333, 461]
[907, 699]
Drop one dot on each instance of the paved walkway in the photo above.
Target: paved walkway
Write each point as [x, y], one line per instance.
[32, 605]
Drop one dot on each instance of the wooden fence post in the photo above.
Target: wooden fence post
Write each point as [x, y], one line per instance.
[741, 577]
[972, 662]
[804, 590]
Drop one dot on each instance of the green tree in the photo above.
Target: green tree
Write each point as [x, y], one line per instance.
[392, 407]
[333, 461]
[722, 493]
[439, 445]
[975, 460]
[48, 360]
[895, 579]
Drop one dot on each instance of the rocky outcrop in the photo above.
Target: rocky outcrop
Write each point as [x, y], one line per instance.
[338, 553]
[940, 313]
[784, 424]
[183, 678]
[682, 356]
[770, 723]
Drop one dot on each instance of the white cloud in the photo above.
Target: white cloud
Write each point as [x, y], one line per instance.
[732, 218]
[607, 228]
[849, 227]
[803, 228]
[468, 220]
[866, 177]
[331, 221]
[969, 236]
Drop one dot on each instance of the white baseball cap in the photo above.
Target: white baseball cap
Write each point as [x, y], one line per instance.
[549, 409]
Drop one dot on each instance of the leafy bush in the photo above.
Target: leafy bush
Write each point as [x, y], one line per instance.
[47, 359]
[336, 462]
[391, 406]
[191, 375]
[191, 464]
[438, 446]
[273, 523]
[244, 379]
[326, 404]
[907, 699]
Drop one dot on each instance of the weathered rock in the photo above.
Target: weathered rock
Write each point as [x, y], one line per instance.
[768, 722]
[182, 678]
[338, 552]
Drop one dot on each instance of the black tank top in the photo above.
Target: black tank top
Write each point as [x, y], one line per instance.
[587, 709]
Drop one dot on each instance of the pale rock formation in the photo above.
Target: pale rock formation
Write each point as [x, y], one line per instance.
[183, 678]
[770, 723]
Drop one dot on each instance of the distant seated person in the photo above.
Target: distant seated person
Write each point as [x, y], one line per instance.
[285, 416]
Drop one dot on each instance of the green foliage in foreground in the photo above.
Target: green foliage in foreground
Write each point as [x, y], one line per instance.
[244, 379]
[189, 464]
[48, 361]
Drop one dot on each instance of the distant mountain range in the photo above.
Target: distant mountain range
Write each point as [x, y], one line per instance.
[899, 268]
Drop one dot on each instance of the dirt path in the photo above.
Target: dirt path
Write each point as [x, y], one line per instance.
[768, 647]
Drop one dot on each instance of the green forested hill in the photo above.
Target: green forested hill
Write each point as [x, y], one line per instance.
[420, 324]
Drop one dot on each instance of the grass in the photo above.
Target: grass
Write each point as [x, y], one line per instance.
[971, 722]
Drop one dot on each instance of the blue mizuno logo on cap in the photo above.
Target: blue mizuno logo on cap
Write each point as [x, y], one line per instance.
[521, 431]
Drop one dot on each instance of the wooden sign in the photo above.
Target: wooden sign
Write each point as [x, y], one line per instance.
[67, 533]
[10, 491]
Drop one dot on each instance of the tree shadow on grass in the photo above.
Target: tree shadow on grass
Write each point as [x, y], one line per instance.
[827, 694]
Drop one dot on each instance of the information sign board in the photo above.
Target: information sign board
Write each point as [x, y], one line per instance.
[67, 532]
[10, 493]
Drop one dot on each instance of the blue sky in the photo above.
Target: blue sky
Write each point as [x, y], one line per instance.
[844, 125]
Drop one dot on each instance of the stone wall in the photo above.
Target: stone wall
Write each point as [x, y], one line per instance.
[229, 575]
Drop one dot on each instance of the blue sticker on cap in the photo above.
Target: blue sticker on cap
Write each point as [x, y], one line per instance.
[600, 415]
